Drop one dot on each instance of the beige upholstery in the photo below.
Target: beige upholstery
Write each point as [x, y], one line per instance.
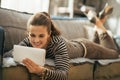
[15, 73]
[108, 72]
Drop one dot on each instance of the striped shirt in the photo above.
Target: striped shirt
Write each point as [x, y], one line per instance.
[56, 50]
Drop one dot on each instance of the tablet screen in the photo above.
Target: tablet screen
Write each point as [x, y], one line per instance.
[35, 54]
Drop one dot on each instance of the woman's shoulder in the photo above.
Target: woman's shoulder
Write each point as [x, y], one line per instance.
[25, 42]
[57, 39]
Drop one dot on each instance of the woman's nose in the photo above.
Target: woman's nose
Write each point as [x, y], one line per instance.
[36, 39]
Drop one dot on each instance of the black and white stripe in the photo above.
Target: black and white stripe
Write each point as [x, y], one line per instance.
[56, 50]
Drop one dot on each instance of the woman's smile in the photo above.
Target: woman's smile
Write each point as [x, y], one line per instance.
[37, 43]
[38, 36]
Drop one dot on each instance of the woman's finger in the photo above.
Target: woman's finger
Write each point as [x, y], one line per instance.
[30, 68]
[31, 62]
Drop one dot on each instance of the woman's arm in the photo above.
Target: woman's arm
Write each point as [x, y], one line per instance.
[61, 63]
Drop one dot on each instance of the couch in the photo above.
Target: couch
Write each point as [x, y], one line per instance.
[14, 25]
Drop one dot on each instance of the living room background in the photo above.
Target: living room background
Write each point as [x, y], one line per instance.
[49, 6]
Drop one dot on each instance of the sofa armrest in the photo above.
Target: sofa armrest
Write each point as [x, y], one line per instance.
[15, 73]
[1, 40]
[1, 48]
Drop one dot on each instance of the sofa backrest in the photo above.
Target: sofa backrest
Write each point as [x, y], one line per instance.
[14, 24]
[71, 29]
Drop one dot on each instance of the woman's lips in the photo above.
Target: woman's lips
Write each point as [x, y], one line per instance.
[37, 44]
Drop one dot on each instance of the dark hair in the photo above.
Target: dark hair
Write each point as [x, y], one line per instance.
[43, 18]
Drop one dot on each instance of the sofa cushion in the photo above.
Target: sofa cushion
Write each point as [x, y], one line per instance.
[107, 72]
[76, 72]
[82, 71]
[15, 73]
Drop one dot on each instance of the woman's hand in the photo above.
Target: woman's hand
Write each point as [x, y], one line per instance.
[33, 67]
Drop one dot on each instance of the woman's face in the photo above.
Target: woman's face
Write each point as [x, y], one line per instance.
[38, 36]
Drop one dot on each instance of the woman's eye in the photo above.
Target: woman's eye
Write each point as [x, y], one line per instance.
[32, 35]
[41, 35]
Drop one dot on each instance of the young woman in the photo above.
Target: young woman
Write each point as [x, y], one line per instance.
[43, 34]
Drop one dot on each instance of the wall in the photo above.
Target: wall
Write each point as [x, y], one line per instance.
[114, 20]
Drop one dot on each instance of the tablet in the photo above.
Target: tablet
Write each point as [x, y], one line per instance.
[35, 54]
